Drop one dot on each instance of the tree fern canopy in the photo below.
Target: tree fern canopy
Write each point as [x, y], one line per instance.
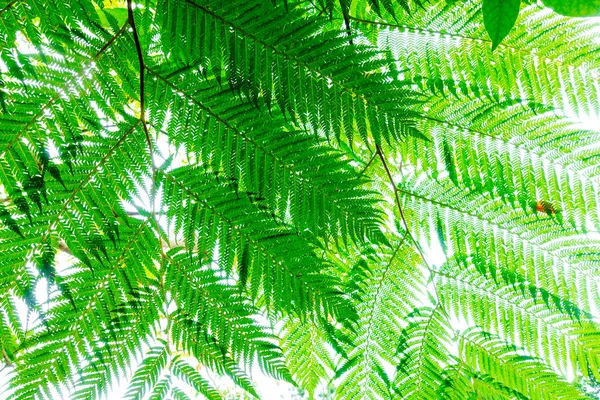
[387, 199]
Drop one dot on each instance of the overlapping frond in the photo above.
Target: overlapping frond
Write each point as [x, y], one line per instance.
[513, 368]
[471, 224]
[278, 57]
[269, 254]
[226, 320]
[424, 347]
[282, 169]
[148, 373]
[479, 100]
[549, 327]
[308, 357]
[182, 194]
[387, 289]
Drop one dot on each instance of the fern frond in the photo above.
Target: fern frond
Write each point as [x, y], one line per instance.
[148, 372]
[383, 298]
[277, 256]
[507, 365]
[307, 356]
[518, 242]
[183, 194]
[423, 348]
[281, 168]
[225, 319]
[265, 64]
[189, 375]
[545, 327]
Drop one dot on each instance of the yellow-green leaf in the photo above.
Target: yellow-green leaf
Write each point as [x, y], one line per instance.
[575, 8]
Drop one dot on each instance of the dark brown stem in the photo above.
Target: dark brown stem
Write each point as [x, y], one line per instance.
[9, 5]
[138, 48]
[372, 158]
[400, 209]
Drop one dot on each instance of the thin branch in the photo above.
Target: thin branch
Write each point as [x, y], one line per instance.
[399, 205]
[62, 246]
[142, 66]
[432, 272]
[6, 359]
[138, 48]
[367, 165]
[9, 5]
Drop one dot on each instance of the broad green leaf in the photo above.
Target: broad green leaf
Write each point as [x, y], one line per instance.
[575, 8]
[499, 16]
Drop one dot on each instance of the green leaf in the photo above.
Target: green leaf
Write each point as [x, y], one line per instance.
[439, 228]
[450, 162]
[499, 16]
[244, 266]
[55, 173]
[575, 8]
[8, 221]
